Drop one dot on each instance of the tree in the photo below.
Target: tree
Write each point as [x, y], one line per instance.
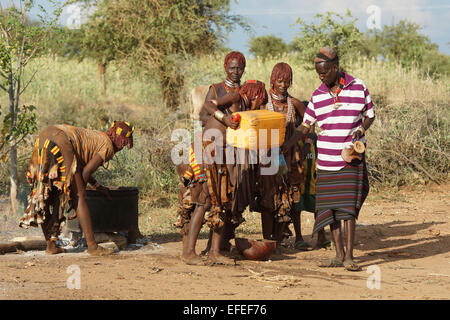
[20, 42]
[436, 64]
[333, 30]
[267, 46]
[159, 35]
[402, 42]
[101, 41]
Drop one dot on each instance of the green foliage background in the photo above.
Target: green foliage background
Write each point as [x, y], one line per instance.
[408, 143]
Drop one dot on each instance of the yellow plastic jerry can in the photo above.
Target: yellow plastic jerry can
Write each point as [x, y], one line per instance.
[258, 129]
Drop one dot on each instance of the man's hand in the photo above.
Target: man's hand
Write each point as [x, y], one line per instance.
[357, 135]
[105, 191]
[228, 120]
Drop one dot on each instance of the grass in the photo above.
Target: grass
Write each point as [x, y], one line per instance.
[407, 145]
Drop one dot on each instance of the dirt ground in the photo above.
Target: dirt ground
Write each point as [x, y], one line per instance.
[403, 239]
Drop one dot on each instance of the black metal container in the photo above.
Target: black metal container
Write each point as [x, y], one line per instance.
[118, 214]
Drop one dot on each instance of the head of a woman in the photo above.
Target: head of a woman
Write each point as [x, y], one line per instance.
[254, 93]
[121, 135]
[281, 78]
[234, 65]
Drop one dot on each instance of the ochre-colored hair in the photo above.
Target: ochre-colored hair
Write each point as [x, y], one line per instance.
[234, 55]
[281, 71]
[253, 89]
[121, 134]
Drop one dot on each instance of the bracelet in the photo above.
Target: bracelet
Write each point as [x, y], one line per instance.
[219, 115]
[306, 125]
[363, 131]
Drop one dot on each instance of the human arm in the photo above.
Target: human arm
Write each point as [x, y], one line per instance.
[300, 108]
[89, 169]
[361, 131]
[228, 100]
[204, 115]
[299, 133]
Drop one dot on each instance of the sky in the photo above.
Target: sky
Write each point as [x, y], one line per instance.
[278, 17]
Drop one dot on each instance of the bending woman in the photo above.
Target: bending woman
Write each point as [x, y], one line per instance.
[62, 163]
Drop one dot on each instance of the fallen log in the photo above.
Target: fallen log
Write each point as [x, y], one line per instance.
[25, 245]
[9, 247]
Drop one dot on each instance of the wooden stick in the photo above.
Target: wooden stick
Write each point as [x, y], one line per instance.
[25, 245]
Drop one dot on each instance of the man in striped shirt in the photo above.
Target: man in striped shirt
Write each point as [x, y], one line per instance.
[343, 110]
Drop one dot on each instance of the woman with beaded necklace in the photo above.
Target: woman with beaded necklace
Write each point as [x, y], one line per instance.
[225, 190]
[234, 65]
[280, 195]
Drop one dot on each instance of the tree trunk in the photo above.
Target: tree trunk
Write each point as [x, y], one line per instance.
[101, 67]
[13, 175]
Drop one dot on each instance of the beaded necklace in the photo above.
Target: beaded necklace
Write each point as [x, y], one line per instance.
[290, 111]
[231, 86]
[335, 95]
[278, 98]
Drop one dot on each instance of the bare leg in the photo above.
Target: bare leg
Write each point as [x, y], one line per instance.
[195, 224]
[296, 221]
[214, 254]
[51, 219]
[279, 228]
[336, 235]
[185, 237]
[349, 264]
[208, 245]
[51, 246]
[267, 220]
[349, 228]
[84, 217]
[322, 241]
[227, 234]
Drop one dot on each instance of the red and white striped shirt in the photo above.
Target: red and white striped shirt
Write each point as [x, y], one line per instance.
[338, 125]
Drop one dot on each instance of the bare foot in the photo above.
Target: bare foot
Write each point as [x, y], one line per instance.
[99, 251]
[350, 265]
[225, 246]
[53, 249]
[217, 258]
[322, 244]
[192, 259]
[331, 263]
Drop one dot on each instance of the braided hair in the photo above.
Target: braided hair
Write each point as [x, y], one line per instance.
[234, 55]
[253, 89]
[121, 134]
[281, 71]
